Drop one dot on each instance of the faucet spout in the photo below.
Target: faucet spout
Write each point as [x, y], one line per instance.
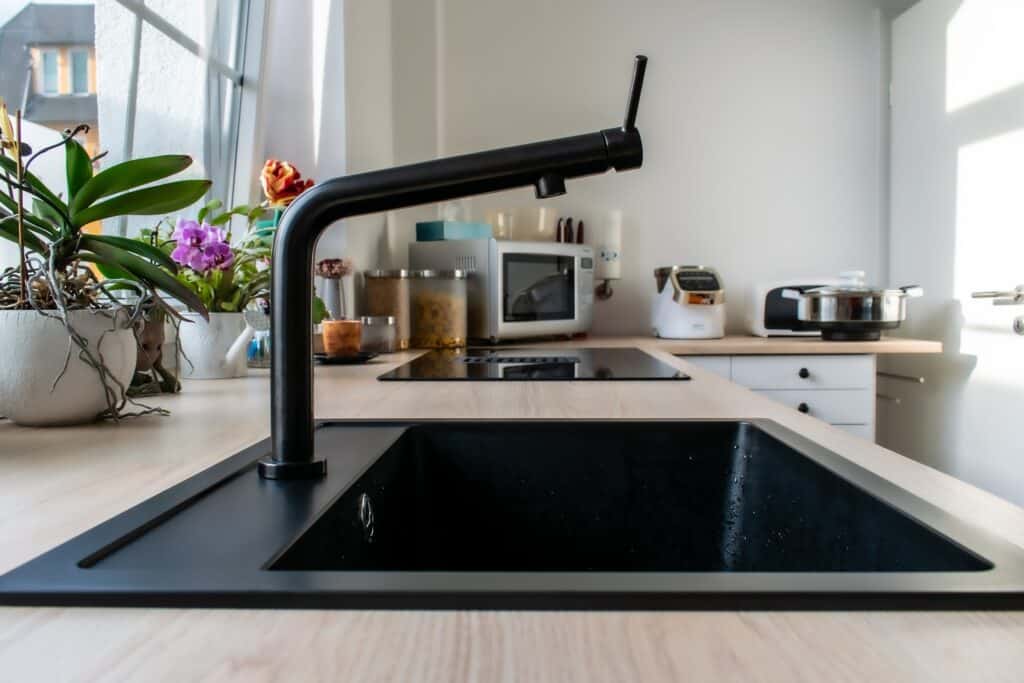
[545, 165]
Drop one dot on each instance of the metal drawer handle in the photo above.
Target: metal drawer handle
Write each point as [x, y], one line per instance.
[804, 408]
[804, 373]
[916, 379]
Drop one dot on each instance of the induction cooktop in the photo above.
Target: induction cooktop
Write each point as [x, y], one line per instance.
[536, 365]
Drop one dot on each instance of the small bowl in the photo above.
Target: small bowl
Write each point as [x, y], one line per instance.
[342, 337]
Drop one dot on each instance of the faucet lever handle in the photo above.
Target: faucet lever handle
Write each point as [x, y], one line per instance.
[639, 67]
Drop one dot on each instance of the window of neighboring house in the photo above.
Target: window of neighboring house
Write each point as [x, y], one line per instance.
[50, 73]
[79, 72]
[186, 84]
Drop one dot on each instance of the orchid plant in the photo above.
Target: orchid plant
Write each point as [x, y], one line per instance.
[224, 276]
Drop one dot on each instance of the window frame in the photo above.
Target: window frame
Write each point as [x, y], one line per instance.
[238, 167]
[43, 53]
[72, 53]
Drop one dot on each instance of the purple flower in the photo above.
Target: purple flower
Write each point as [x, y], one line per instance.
[201, 246]
[218, 255]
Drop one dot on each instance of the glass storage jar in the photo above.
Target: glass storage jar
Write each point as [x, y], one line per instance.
[378, 334]
[387, 294]
[438, 309]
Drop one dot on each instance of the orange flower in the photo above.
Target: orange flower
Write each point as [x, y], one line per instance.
[282, 182]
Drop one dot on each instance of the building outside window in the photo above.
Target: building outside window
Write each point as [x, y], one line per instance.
[50, 77]
[80, 72]
[147, 76]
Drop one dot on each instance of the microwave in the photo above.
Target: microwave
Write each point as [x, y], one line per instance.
[517, 289]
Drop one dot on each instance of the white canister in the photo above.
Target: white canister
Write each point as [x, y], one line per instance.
[214, 349]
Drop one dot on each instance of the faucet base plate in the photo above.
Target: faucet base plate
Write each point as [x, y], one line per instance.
[276, 469]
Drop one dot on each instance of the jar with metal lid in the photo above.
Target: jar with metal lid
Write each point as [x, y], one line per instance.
[378, 334]
[387, 294]
[438, 308]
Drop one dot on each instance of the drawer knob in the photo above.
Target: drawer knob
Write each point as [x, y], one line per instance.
[804, 408]
[804, 373]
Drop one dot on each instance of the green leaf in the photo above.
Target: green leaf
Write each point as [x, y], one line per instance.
[128, 175]
[147, 251]
[46, 212]
[319, 310]
[211, 205]
[147, 272]
[36, 185]
[221, 219]
[79, 167]
[149, 201]
[9, 230]
[107, 270]
[34, 223]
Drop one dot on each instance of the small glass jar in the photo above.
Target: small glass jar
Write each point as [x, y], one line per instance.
[438, 309]
[379, 333]
[387, 294]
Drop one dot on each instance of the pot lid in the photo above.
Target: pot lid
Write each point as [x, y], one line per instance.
[861, 291]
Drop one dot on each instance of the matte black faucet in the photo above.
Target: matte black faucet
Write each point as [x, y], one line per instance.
[545, 165]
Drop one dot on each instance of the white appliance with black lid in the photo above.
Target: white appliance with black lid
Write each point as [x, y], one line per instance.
[770, 314]
[690, 303]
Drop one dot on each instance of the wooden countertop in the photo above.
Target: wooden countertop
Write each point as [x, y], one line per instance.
[741, 345]
[57, 483]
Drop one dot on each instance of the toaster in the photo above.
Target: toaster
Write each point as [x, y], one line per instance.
[771, 315]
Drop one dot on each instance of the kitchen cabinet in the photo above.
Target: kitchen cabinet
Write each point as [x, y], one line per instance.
[838, 389]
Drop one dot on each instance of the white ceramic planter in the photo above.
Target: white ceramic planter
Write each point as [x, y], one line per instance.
[214, 349]
[33, 348]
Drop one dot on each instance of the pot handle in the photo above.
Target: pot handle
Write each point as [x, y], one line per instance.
[794, 294]
[912, 291]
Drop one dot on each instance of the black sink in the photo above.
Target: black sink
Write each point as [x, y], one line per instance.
[697, 497]
[645, 515]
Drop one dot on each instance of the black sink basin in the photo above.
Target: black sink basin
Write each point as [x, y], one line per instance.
[697, 497]
[646, 515]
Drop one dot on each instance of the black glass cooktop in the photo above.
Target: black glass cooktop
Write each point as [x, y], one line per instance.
[535, 364]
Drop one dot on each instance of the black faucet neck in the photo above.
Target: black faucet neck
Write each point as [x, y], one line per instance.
[546, 165]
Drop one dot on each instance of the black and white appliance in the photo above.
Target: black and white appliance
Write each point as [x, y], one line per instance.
[770, 314]
[517, 290]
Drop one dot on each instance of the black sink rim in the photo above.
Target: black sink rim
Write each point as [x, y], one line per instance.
[56, 577]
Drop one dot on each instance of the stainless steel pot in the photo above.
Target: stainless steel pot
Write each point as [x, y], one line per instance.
[853, 313]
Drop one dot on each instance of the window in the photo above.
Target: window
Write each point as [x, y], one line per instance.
[187, 84]
[79, 72]
[50, 75]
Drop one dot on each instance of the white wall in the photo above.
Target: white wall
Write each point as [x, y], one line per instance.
[956, 226]
[761, 121]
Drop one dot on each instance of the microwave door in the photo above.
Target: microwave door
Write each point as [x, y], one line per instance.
[538, 287]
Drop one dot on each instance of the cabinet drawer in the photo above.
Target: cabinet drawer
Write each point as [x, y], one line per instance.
[854, 406]
[720, 365]
[804, 372]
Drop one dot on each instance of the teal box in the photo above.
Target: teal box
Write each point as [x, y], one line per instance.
[433, 231]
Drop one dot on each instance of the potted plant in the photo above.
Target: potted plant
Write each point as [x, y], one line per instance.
[225, 277]
[67, 333]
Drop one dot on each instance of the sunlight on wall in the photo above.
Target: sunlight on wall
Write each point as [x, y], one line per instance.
[319, 30]
[990, 250]
[984, 50]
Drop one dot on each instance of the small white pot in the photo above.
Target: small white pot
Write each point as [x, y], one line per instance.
[214, 349]
[33, 350]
